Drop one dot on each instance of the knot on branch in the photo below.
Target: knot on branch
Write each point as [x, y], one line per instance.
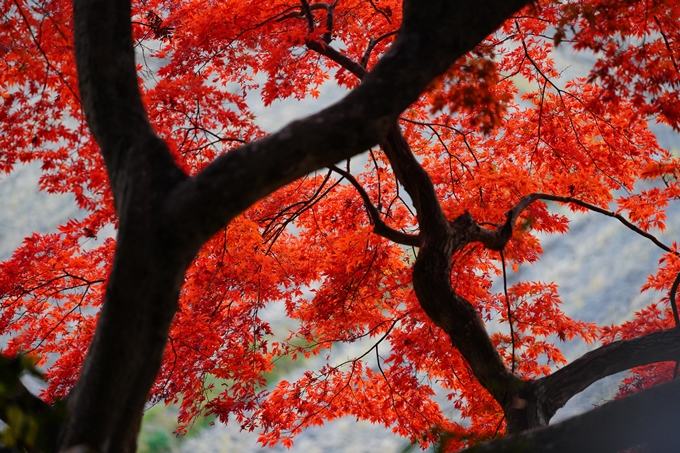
[464, 225]
[464, 230]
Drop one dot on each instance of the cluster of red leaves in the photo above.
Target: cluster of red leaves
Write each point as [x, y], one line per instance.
[500, 124]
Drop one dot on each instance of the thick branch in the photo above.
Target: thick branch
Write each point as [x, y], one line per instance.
[433, 35]
[106, 404]
[494, 240]
[416, 181]
[649, 417]
[604, 361]
[439, 240]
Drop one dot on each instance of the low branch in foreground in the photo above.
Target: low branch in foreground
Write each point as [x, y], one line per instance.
[649, 417]
[21, 397]
[19, 408]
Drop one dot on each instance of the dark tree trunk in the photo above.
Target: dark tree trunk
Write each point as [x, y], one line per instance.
[526, 409]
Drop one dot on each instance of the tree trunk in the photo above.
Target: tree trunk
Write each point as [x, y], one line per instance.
[526, 409]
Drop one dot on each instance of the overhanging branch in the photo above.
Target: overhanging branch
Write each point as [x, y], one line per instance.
[528, 199]
[612, 358]
[496, 240]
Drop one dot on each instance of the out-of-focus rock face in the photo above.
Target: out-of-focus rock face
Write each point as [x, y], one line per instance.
[24, 210]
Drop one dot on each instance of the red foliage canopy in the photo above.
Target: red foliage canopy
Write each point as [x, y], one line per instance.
[337, 247]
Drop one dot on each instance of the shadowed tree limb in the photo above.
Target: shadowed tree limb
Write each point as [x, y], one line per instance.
[439, 240]
[648, 417]
[18, 406]
[21, 397]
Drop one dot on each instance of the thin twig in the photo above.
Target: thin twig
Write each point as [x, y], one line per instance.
[379, 226]
[507, 304]
[371, 45]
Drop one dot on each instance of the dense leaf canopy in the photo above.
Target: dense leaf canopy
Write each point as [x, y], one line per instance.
[507, 136]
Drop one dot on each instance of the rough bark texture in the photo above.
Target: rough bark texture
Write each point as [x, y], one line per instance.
[610, 359]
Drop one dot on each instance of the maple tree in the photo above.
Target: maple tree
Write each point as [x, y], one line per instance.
[470, 128]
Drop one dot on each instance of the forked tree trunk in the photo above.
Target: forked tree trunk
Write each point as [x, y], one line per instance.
[526, 409]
